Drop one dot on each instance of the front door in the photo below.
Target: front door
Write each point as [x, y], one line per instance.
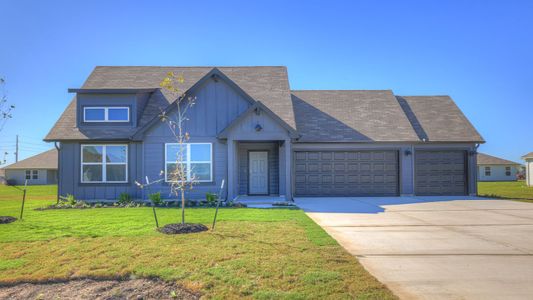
[258, 180]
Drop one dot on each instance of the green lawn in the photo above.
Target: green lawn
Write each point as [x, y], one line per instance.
[254, 253]
[507, 189]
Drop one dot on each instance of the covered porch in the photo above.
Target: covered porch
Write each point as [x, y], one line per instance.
[257, 170]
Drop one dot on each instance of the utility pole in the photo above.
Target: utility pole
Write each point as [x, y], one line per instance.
[17, 149]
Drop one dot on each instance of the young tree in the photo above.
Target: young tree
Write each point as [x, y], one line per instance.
[180, 178]
[5, 108]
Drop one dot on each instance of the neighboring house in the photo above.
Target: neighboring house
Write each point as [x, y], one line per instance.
[251, 130]
[529, 168]
[491, 168]
[38, 169]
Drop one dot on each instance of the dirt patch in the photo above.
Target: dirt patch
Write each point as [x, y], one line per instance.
[7, 219]
[98, 289]
[182, 228]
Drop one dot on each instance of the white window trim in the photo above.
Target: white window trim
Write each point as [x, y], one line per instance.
[188, 163]
[31, 172]
[106, 114]
[103, 163]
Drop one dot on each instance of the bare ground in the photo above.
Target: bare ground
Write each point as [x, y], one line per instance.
[98, 289]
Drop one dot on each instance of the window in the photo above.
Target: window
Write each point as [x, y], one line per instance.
[487, 171]
[104, 163]
[507, 171]
[106, 114]
[32, 174]
[196, 157]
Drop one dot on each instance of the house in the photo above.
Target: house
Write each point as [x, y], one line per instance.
[529, 168]
[492, 168]
[251, 130]
[38, 169]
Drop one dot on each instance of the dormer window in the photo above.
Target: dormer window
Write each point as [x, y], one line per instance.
[106, 114]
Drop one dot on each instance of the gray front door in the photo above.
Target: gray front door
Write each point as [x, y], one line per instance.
[346, 173]
[258, 165]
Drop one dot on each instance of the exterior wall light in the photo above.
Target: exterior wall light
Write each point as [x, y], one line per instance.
[258, 128]
[407, 152]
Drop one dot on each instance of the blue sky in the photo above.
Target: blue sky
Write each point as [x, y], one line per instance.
[479, 52]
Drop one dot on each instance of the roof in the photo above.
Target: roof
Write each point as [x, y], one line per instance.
[438, 119]
[316, 115]
[529, 155]
[45, 160]
[485, 159]
[269, 85]
[350, 115]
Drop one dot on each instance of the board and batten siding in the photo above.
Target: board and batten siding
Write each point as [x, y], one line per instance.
[216, 106]
[70, 172]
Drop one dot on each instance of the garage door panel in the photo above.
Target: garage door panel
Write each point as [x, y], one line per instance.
[347, 173]
[440, 172]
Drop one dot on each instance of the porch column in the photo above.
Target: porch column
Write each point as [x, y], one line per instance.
[232, 169]
[288, 169]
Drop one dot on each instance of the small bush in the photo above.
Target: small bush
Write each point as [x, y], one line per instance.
[68, 200]
[211, 199]
[124, 198]
[156, 198]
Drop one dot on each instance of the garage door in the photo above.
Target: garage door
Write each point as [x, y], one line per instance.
[346, 173]
[440, 173]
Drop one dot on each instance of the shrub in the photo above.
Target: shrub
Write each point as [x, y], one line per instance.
[211, 199]
[156, 198]
[68, 200]
[124, 198]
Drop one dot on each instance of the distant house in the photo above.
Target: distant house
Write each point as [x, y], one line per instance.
[529, 168]
[38, 169]
[491, 168]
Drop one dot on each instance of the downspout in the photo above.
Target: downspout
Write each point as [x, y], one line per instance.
[58, 148]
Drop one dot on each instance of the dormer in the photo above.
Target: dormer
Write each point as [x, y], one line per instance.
[110, 107]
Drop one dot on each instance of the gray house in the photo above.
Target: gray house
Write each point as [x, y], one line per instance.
[492, 168]
[249, 128]
[38, 169]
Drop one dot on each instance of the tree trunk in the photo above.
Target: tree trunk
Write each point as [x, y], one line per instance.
[182, 206]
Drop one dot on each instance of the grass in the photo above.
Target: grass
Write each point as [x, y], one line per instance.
[516, 190]
[253, 253]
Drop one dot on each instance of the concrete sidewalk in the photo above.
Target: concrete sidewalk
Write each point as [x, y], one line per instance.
[436, 247]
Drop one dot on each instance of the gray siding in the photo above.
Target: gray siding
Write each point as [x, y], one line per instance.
[497, 173]
[18, 177]
[273, 165]
[217, 105]
[130, 100]
[69, 156]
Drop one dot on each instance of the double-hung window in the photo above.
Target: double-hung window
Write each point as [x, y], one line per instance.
[106, 114]
[104, 163]
[32, 174]
[487, 171]
[196, 158]
[507, 171]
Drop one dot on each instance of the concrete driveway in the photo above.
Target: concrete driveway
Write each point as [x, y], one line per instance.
[436, 247]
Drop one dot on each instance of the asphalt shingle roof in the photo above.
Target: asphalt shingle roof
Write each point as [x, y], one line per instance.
[485, 159]
[529, 155]
[438, 119]
[350, 115]
[45, 160]
[270, 85]
[317, 115]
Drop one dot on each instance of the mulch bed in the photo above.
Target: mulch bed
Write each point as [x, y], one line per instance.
[182, 228]
[98, 289]
[7, 219]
